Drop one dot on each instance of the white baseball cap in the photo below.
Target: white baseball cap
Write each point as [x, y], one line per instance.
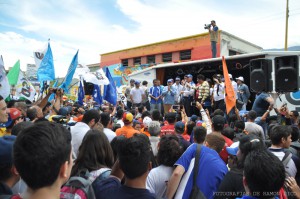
[240, 78]
[230, 76]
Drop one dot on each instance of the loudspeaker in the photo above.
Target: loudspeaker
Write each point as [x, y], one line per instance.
[88, 88]
[286, 74]
[260, 75]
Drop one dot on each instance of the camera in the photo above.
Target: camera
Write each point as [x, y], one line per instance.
[207, 26]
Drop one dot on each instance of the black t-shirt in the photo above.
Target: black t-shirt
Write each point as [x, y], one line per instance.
[232, 185]
[111, 188]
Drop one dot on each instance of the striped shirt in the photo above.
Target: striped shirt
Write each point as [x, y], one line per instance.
[203, 91]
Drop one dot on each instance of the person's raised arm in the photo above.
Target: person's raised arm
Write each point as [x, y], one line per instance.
[58, 100]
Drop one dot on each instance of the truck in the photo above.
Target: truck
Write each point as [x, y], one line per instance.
[275, 72]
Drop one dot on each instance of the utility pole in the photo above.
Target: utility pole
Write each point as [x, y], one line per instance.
[286, 25]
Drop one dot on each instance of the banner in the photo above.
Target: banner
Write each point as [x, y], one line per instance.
[24, 88]
[96, 94]
[80, 94]
[46, 69]
[230, 99]
[13, 74]
[68, 79]
[4, 84]
[110, 91]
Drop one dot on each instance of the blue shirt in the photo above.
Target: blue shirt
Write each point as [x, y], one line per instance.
[243, 93]
[212, 170]
[169, 96]
[155, 91]
[261, 104]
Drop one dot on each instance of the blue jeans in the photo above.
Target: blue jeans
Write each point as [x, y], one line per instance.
[155, 106]
[214, 49]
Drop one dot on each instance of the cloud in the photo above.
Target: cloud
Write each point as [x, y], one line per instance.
[96, 27]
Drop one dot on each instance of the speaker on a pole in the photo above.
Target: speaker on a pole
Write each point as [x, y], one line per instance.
[286, 74]
[260, 75]
[88, 88]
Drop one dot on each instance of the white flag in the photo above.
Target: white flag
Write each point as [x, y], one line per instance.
[98, 77]
[4, 85]
[38, 56]
[24, 88]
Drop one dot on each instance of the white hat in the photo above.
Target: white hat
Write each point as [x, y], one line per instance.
[240, 78]
[146, 121]
[230, 76]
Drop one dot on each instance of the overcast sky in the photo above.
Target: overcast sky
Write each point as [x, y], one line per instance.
[99, 26]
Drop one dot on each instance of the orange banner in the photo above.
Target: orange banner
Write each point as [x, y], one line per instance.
[230, 99]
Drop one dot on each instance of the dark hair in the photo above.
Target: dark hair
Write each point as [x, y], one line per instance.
[218, 112]
[240, 125]
[133, 112]
[5, 172]
[199, 134]
[105, 119]
[116, 143]
[247, 144]
[39, 152]
[144, 83]
[140, 108]
[90, 115]
[94, 153]
[135, 122]
[116, 126]
[228, 132]
[189, 127]
[16, 129]
[170, 117]
[155, 115]
[218, 126]
[146, 114]
[11, 103]
[215, 141]
[178, 117]
[31, 113]
[135, 149]
[251, 115]
[119, 114]
[278, 132]
[201, 77]
[264, 173]
[295, 133]
[1, 98]
[295, 113]
[169, 150]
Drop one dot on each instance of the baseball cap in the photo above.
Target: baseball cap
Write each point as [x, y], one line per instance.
[146, 121]
[127, 118]
[64, 111]
[201, 123]
[137, 82]
[218, 119]
[6, 148]
[240, 78]
[189, 75]
[170, 80]
[194, 118]
[233, 149]
[177, 79]
[230, 76]
[13, 114]
[179, 127]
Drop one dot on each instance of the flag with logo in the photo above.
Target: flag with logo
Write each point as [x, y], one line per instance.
[110, 91]
[24, 88]
[80, 94]
[97, 94]
[4, 84]
[68, 79]
[230, 99]
[46, 69]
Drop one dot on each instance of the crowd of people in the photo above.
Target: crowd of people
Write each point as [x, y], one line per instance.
[147, 147]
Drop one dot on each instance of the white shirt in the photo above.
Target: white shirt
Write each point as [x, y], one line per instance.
[78, 132]
[178, 89]
[221, 93]
[235, 88]
[109, 134]
[137, 94]
[120, 122]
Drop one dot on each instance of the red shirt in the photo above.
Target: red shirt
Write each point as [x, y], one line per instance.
[167, 130]
[224, 154]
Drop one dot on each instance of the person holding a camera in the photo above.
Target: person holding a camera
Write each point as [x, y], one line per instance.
[213, 33]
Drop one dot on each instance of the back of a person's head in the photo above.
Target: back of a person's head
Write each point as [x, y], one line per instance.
[218, 112]
[135, 150]
[264, 174]
[199, 134]
[146, 114]
[90, 115]
[295, 133]
[154, 128]
[215, 141]
[11, 103]
[228, 132]
[31, 113]
[140, 108]
[144, 83]
[279, 132]
[218, 122]
[94, 152]
[189, 127]
[251, 115]
[171, 117]
[169, 150]
[155, 115]
[39, 153]
[239, 125]
[119, 114]
[19, 127]
[105, 119]
[116, 143]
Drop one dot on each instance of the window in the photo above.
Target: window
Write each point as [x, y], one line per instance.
[125, 62]
[151, 59]
[167, 57]
[137, 61]
[185, 55]
[232, 52]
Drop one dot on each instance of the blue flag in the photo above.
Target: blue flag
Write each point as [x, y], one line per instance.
[46, 70]
[68, 79]
[110, 91]
[97, 95]
[53, 94]
[80, 94]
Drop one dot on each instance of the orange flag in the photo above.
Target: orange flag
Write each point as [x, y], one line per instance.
[230, 99]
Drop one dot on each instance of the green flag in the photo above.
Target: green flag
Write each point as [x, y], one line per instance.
[13, 74]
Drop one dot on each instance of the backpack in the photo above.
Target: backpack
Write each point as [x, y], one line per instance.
[79, 187]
